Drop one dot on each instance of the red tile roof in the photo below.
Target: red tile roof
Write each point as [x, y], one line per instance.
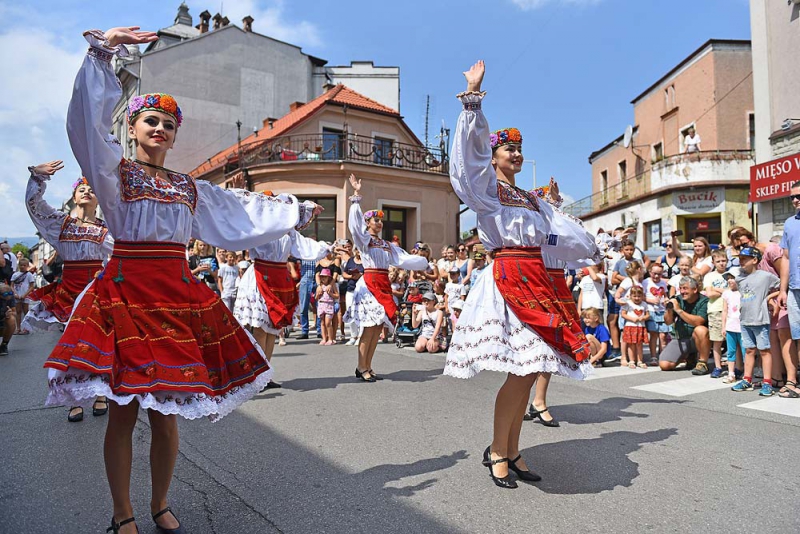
[338, 95]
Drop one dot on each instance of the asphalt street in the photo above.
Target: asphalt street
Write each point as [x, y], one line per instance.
[637, 451]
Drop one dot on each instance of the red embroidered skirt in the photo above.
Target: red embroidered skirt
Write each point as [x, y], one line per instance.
[278, 290]
[541, 299]
[150, 325]
[377, 281]
[58, 298]
[636, 335]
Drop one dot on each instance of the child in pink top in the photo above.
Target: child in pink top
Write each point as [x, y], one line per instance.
[732, 327]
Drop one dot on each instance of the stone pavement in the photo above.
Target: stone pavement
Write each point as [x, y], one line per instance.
[637, 451]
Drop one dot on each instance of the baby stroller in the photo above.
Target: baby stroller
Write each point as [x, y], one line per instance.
[403, 332]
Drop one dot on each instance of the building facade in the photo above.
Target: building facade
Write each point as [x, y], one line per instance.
[222, 74]
[775, 31]
[654, 183]
[311, 151]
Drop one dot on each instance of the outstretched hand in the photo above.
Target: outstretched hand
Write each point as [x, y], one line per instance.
[355, 182]
[129, 35]
[553, 190]
[318, 210]
[49, 168]
[474, 76]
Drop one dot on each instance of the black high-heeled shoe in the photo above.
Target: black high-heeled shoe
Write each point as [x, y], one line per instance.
[502, 482]
[363, 378]
[177, 530]
[534, 414]
[97, 412]
[77, 417]
[376, 377]
[114, 528]
[527, 476]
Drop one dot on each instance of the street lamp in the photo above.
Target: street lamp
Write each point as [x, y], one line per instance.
[788, 123]
[533, 162]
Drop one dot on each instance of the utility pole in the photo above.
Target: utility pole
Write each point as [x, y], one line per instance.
[427, 117]
[242, 170]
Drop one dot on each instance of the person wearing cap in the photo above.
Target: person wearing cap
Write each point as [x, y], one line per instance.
[732, 326]
[326, 296]
[373, 306]
[478, 267]
[429, 320]
[757, 287]
[413, 293]
[456, 309]
[454, 289]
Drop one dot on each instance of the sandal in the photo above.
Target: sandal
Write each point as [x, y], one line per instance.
[114, 528]
[75, 417]
[787, 392]
[641, 365]
[97, 412]
[631, 365]
[159, 528]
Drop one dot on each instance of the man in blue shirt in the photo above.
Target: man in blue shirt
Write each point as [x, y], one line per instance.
[306, 287]
[790, 270]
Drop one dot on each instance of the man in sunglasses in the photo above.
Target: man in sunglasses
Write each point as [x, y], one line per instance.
[790, 268]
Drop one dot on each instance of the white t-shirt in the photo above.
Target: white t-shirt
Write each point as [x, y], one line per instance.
[707, 261]
[675, 281]
[21, 282]
[634, 309]
[592, 292]
[691, 143]
[428, 324]
[652, 289]
[453, 291]
[228, 274]
[626, 286]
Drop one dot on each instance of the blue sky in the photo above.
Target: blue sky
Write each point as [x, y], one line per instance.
[562, 71]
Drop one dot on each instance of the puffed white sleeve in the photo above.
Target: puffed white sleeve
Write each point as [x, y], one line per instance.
[358, 228]
[236, 219]
[305, 248]
[108, 245]
[89, 120]
[568, 240]
[471, 173]
[46, 218]
[402, 259]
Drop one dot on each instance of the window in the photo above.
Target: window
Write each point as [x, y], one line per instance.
[652, 234]
[658, 152]
[604, 187]
[684, 134]
[782, 209]
[384, 155]
[394, 224]
[332, 144]
[622, 170]
[324, 226]
[672, 100]
[710, 228]
[751, 118]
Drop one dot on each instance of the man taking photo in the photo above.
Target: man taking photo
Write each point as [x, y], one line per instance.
[688, 312]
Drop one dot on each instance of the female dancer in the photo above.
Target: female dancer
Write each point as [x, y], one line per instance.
[267, 295]
[373, 307]
[145, 333]
[514, 321]
[83, 242]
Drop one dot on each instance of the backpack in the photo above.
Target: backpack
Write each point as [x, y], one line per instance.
[7, 271]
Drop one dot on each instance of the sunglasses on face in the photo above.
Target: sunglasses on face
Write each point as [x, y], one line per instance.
[794, 197]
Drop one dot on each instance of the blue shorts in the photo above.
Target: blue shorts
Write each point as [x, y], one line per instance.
[656, 323]
[793, 307]
[755, 337]
[733, 340]
[613, 307]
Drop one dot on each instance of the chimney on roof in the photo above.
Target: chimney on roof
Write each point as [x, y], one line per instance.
[183, 17]
[205, 16]
[225, 21]
[268, 122]
[295, 105]
[328, 86]
[247, 23]
[217, 21]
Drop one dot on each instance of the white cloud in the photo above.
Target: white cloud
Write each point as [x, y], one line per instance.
[33, 103]
[527, 5]
[270, 20]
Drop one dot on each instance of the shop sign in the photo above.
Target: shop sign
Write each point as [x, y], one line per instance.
[701, 201]
[774, 179]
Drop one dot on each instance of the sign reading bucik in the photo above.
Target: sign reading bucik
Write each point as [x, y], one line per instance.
[774, 179]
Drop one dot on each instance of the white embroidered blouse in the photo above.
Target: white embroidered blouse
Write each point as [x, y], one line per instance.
[508, 216]
[375, 252]
[73, 241]
[292, 244]
[139, 207]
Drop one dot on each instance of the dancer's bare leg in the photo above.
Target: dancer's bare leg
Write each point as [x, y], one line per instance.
[163, 453]
[515, 390]
[364, 343]
[540, 395]
[516, 429]
[265, 341]
[118, 455]
[373, 345]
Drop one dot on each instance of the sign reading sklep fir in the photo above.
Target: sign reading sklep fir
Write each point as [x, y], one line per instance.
[774, 179]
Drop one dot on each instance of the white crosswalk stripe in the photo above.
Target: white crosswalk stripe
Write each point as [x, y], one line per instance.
[684, 386]
[790, 407]
[613, 372]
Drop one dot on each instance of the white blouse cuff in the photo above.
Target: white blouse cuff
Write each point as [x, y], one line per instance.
[306, 215]
[355, 199]
[100, 48]
[471, 99]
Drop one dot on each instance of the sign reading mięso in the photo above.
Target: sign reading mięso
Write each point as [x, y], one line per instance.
[774, 179]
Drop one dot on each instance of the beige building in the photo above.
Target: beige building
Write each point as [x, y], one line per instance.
[775, 30]
[311, 151]
[653, 183]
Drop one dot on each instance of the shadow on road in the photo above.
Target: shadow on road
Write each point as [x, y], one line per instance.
[605, 411]
[332, 382]
[582, 466]
[379, 476]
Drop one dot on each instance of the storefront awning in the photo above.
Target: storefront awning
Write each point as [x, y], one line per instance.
[774, 179]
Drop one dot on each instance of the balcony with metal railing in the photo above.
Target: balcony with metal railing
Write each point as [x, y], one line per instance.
[318, 148]
[671, 172]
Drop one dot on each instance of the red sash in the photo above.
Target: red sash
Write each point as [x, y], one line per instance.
[59, 297]
[377, 281]
[541, 299]
[278, 289]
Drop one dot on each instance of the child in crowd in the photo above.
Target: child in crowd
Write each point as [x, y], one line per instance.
[8, 321]
[617, 276]
[633, 271]
[732, 327]
[228, 275]
[22, 284]
[412, 294]
[685, 269]
[327, 295]
[655, 294]
[597, 334]
[454, 289]
[714, 285]
[430, 322]
[756, 288]
[478, 268]
[456, 308]
[592, 287]
[397, 286]
[634, 332]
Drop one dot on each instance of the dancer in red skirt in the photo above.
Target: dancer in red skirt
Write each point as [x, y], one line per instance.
[373, 306]
[520, 321]
[145, 332]
[82, 240]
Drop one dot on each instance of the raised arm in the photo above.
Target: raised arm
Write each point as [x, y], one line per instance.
[471, 173]
[48, 220]
[306, 248]
[356, 223]
[250, 219]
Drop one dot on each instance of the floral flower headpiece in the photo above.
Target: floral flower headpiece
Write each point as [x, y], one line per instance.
[378, 214]
[268, 193]
[155, 102]
[81, 181]
[505, 137]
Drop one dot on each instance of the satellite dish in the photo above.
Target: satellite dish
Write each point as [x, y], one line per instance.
[626, 139]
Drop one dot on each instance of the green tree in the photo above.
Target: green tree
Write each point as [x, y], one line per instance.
[20, 247]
